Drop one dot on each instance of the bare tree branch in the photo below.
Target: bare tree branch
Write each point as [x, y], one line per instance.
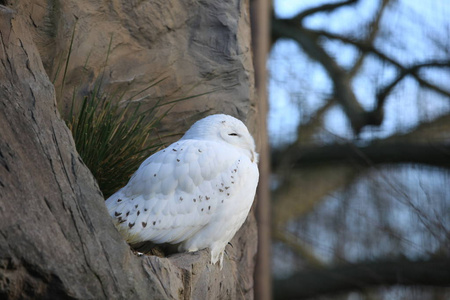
[306, 131]
[359, 118]
[366, 47]
[373, 30]
[434, 130]
[322, 8]
[292, 242]
[385, 91]
[376, 153]
[312, 283]
[308, 40]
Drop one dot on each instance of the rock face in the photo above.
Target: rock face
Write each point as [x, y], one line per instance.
[200, 46]
[56, 238]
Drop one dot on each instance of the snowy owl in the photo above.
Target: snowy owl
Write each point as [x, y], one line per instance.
[196, 193]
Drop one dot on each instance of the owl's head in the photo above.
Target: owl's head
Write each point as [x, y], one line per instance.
[223, 128]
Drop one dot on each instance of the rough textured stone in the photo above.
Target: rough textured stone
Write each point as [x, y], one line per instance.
[200, 46]
[56, 238]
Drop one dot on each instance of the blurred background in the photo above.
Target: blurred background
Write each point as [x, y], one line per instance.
[359, 129]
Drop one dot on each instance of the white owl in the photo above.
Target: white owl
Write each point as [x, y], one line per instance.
[195, 193]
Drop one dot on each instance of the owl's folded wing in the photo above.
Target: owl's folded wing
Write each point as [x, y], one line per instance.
[177, 191]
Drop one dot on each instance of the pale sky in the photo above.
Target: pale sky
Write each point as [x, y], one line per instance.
[298, 85]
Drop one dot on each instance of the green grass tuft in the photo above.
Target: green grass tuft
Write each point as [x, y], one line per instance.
[113, 140]
[112, 134]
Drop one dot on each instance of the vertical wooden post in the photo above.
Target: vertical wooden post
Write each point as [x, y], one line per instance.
[260, 16]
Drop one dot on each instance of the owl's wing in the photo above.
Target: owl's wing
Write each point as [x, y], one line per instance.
[176, 191]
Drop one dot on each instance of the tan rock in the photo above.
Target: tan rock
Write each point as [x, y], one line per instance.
[56, 238]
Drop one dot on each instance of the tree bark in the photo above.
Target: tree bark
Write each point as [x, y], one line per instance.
[375, 153]
[56, 238]
[313, 283]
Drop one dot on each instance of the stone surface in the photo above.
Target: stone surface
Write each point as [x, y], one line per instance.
[200, 46]
[56, 238]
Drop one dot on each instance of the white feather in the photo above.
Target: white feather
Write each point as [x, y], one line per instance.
[196, 193]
